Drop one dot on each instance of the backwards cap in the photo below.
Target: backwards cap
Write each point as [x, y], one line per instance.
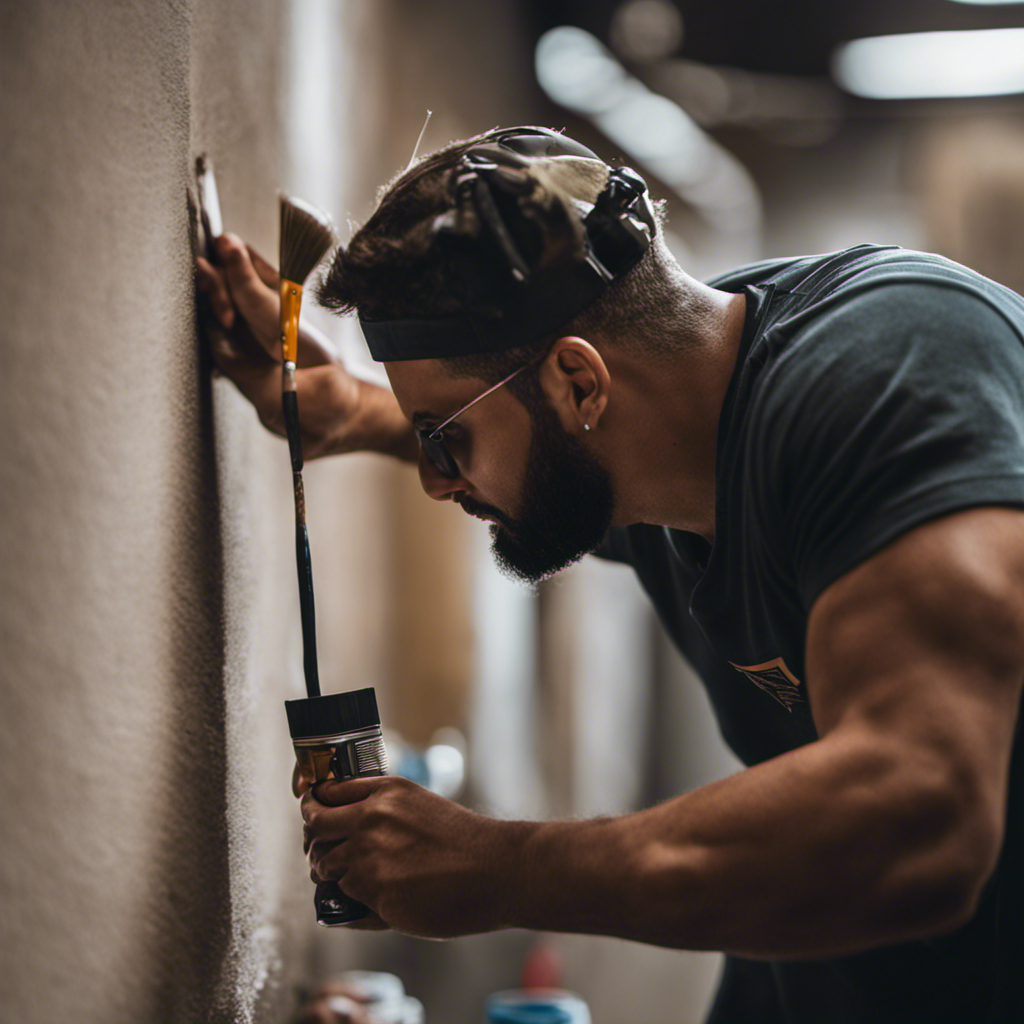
[522, 253]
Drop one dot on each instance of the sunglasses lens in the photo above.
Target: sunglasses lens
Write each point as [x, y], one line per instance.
[439, 455]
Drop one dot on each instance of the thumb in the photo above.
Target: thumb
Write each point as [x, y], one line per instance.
[350, 791]
[299, 782]
[256, 301]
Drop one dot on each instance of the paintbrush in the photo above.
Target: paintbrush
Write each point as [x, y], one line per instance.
[210, 223]
[306, 236]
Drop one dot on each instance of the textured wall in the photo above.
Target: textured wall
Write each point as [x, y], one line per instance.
[149, 860]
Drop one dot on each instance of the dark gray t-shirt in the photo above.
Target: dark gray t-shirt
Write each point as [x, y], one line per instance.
[876, 389]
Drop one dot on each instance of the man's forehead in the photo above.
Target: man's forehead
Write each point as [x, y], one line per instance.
[413, 375]
[426, 388]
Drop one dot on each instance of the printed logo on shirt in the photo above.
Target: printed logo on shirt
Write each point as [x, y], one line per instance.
[774, 678]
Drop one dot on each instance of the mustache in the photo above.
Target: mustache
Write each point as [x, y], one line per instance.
[477, 508]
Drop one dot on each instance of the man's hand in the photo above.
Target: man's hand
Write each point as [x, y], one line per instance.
[337, 411]
[425, 865]
[299, 781]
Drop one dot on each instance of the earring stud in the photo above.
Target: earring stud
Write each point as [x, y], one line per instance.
[586, 426]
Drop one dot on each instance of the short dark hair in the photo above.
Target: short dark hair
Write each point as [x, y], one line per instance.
[391, 270]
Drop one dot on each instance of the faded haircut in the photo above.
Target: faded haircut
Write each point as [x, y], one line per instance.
[392, 269]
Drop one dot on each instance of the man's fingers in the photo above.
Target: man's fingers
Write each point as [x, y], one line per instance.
[252, 286]
[326, 824]
[299, 782]
[238, 266]
[328, 861]
[330, 809]
[261, 383]
[211, 284]
[351, 791]
[312, 351]
[258, 303]
[267, 272]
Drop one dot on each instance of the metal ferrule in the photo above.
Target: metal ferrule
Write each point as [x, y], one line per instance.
[346, 755]
[338, 737]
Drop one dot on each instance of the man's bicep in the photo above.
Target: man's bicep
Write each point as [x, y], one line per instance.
[922, 647]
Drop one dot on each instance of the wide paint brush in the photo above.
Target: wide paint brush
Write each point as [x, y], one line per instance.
[306, 236]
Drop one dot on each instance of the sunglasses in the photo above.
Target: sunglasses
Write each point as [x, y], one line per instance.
[432, 440]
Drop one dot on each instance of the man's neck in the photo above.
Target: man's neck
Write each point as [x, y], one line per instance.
[662, 422]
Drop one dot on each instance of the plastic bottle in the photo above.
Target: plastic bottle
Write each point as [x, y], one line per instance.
[536, 1006]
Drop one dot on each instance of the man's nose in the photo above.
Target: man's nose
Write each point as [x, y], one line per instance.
[436, 484]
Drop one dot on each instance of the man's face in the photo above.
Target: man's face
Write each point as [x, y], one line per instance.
[548, 498]
[565, 505]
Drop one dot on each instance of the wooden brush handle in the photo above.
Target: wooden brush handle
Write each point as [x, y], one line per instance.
[290, 408]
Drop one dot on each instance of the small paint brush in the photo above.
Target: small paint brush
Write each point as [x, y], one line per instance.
[209, 208]
[306, 236]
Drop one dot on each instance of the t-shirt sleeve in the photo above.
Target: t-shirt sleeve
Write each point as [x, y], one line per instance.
[902, 404]
[615, 546]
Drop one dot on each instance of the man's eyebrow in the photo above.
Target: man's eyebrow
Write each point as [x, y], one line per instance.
[422, 419]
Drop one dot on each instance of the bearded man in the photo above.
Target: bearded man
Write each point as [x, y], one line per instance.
[816, 468]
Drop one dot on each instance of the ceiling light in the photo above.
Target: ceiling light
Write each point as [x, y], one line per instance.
[576, 70]
[983, 62]
[646, 30]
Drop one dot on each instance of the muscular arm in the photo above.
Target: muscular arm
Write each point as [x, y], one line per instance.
[885, 829]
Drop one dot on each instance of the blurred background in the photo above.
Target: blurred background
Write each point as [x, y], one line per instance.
[151, 865]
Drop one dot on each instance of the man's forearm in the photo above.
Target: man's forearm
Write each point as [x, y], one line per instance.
[378, 426]
[830, 849]
[363, 416]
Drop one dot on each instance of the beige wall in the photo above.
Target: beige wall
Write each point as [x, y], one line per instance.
[149, 860]
[969, 172]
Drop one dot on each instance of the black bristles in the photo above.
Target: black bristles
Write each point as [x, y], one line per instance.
[306, 236]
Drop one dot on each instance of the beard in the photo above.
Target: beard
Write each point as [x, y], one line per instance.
[565, 510]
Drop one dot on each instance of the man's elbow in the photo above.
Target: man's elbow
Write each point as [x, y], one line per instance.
[937, 886]
[977, 845]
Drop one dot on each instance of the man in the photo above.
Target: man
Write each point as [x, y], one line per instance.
[816, 467]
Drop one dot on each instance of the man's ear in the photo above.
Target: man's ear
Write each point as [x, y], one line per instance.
[576, 382]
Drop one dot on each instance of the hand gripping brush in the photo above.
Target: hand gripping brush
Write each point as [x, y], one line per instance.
[306, 236]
